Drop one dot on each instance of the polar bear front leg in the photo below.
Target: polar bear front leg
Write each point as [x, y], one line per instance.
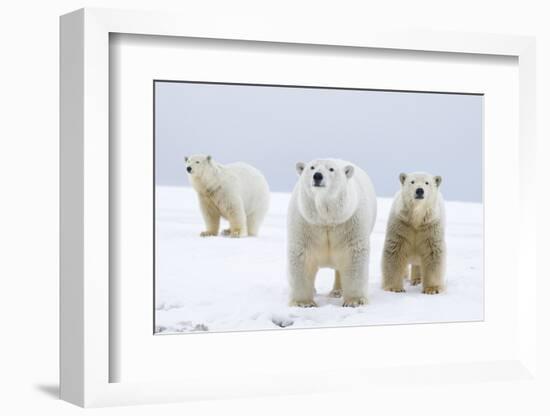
[432, 283]
[301, 275]
[433, 267]
[211, 216]
[354, 278]
[394, 264]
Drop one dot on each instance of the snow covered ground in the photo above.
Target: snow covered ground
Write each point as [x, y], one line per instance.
[225, 284]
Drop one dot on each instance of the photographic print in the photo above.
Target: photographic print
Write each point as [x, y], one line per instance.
[283, 207]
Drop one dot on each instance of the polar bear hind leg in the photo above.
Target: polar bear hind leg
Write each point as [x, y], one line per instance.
[336, 291]
[256, 218]
[237, 220]
[416, 276]
[254, 221]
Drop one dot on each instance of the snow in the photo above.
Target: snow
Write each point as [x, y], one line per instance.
[226, 284]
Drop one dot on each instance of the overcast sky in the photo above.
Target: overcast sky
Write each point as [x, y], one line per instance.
[272, 128]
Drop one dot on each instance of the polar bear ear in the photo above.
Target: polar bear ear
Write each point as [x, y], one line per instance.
[438, 180]
[402, 178]
[186, 158]
[300, 166]
[208, 158]
[349, 171]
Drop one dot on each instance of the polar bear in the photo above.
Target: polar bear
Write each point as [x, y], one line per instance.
[331, 215]
[415, 235]
[237, 192]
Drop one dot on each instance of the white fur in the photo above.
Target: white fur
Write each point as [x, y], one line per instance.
[237, 192]
[330, 226]
[415, 235]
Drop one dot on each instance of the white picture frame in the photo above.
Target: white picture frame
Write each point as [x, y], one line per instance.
[86, 356]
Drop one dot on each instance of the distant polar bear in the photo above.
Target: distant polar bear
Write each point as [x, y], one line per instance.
[237, 192]
[330, 218]
[416, 235]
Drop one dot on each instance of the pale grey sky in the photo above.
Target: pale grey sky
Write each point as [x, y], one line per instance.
[272, 128]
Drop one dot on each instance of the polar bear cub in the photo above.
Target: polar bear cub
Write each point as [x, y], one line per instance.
[331, 215]
[415, 235]
[237, 192]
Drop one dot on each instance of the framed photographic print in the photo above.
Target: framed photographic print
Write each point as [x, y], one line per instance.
[240, 206]
[205, 284]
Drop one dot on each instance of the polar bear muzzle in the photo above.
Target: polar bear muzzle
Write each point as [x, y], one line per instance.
[318, 180]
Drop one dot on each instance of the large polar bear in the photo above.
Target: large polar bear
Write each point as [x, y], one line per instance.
[330, 218]
[237, 192]
[415, 235]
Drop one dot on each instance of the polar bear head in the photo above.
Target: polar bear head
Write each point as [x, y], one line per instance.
[203, 172]
[198, 165]
[326, 193]
[419, 188]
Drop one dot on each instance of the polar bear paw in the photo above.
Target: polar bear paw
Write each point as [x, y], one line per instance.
[231, 233]
[394, 289]
[416, 281]
[431, 290]
[208, 234]
[303, 303]
[354, 302]
[335, 293]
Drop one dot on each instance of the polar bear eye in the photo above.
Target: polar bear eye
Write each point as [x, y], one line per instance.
[197, 162]
[331, 169]
[412, 182]
[313, 167]
[427, 183]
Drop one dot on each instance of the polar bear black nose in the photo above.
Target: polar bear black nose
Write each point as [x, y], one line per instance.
[189, 169]
[419, 192]
[318, 177]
